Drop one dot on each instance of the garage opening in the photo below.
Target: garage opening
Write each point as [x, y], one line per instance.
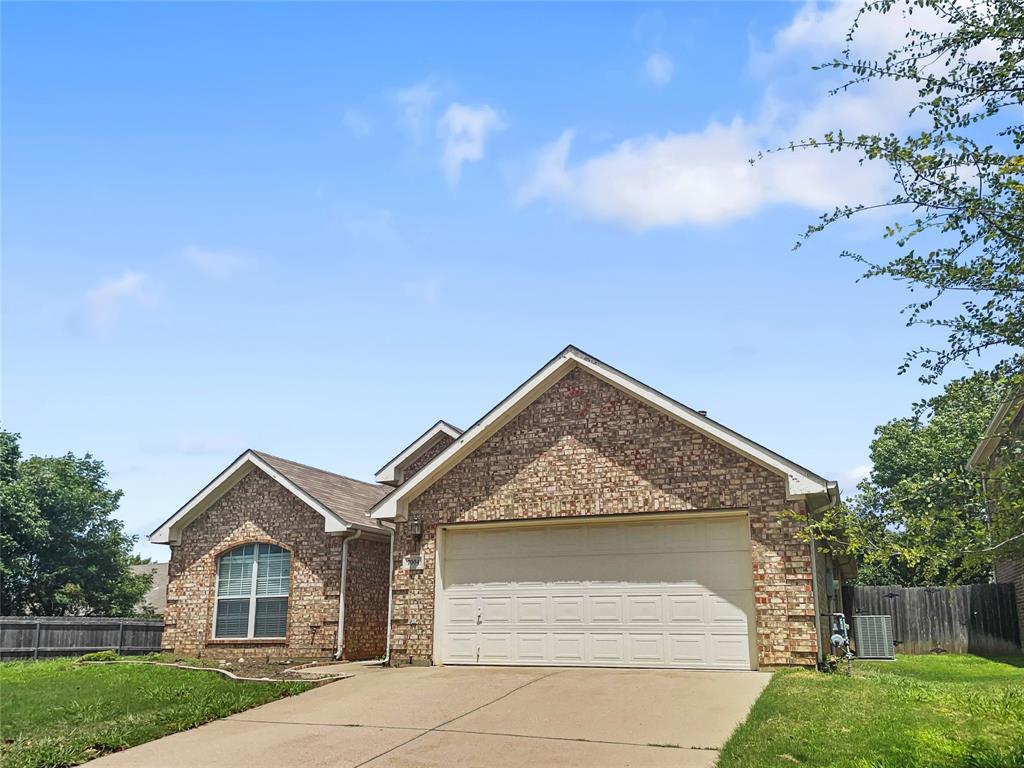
[640, 593]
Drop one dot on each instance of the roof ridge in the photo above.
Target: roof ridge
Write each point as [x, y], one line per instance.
[376, 486]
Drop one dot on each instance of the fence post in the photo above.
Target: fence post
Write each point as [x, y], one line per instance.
[35, 642]
[120, 635]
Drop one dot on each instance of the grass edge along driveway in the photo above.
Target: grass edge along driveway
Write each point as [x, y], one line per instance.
[916, 712]
[61, 713]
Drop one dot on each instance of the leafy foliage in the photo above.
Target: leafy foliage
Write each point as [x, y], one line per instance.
[920, 518]
[959, 199]
[62, 551]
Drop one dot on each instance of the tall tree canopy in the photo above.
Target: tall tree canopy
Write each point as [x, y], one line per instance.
[920, 517]
[958, 204]
[62, 552]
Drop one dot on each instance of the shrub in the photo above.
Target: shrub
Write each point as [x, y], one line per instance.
[100, 656]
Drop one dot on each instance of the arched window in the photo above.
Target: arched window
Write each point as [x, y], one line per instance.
[252, 592]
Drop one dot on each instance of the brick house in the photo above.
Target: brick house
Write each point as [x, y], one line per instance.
[587, 519]
[275, 558]
[1005, 429]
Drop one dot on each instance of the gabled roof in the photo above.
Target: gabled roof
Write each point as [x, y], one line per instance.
[389, 473]
[343, 501]
[800, 482]
[1004, 416]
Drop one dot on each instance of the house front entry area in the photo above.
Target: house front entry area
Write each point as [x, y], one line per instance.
[659, 591]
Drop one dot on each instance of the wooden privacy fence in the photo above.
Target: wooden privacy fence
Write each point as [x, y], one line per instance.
[31, 637]
[976, 618]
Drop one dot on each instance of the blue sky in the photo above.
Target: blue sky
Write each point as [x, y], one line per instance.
[316, 229]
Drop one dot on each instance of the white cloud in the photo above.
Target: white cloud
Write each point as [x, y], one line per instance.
[658, 68]
[849, 479]
[465, 130]
[700, 177]
[222, 264]
[357, 122]
[415, 105]
[822, 31]
[703, 177]
[106, 301]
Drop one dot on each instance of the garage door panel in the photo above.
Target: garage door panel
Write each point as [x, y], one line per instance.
[606, 609]
[685, 609]
[726, 534]
[730, 650]
[531, 610]
[644, 609]
[461, 647]
[567, 610]
[532, 647]
[496, 610]
[672, 593]
[461, 610]
[568, 648]
[567, 540]
[606, 647]
[496, 647]
[688, 649]
[646, 648]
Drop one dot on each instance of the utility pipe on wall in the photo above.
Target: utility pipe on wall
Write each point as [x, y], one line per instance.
[341, 596]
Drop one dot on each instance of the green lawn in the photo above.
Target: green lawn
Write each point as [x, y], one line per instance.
[58, 713]
[917, 712]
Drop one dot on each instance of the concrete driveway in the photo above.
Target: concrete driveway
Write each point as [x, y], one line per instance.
[427, 717]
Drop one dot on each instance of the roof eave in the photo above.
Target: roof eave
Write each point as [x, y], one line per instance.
[1007, 411]
[800, 482]
[170, 530]
[389, 472]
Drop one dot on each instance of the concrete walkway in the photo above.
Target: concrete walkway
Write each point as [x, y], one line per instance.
[499, 717]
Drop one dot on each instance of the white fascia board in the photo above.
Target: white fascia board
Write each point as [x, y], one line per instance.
[389, 472]
[170, 531]
[800, 482]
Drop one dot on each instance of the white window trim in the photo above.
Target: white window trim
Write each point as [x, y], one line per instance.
[251, 628]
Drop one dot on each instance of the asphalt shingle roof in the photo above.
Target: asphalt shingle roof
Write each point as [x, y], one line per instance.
[349, 499]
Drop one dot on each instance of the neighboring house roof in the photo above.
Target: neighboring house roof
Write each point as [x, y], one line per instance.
[800, 482]
[1005, 414]
[390, 473]
[343, 501]
[156, 598]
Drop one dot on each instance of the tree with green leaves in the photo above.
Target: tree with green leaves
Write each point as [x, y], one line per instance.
[920, 517]
[62, 551]
[958, 204]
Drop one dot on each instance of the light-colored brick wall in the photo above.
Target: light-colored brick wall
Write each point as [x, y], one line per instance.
[586, 448]
[259, 509]
[366, 599]
[428, 454]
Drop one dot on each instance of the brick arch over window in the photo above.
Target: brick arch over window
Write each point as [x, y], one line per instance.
[252, 588]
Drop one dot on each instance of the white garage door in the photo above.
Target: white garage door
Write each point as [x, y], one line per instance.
[644, 593]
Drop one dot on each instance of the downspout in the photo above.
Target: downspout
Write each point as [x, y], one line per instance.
[341, 596]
